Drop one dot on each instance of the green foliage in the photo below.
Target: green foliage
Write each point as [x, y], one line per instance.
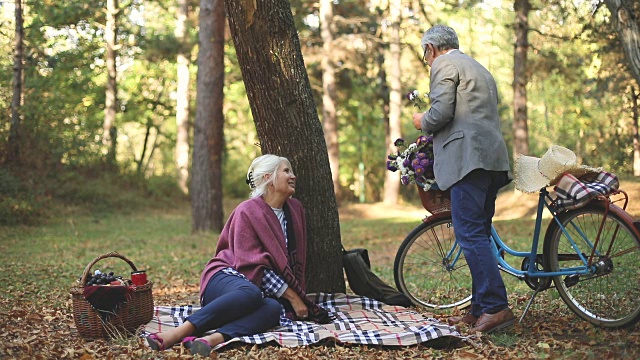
[27, 197]
[20, 201]
[578, 95]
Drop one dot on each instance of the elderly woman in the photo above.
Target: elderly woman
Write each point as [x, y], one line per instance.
[255, 281]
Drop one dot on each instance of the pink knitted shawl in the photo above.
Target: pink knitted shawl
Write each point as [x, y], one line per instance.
[252, 241]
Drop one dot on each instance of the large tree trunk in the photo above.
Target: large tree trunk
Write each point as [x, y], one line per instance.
[109, 135]
[287, 123]
[392, 62]
[329, 118]
[520, 128]
[626, 23]
[13, 153]
[182, 103]
[206, 185]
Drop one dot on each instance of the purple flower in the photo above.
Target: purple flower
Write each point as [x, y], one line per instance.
[424, 162]
[399, 142]
[419, 170]
[421, 140]
[415, 163]
[404, 180]
[406, 162]
[422, 155]
[391, 166]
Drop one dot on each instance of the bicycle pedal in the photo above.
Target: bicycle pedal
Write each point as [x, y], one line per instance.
[571, 280]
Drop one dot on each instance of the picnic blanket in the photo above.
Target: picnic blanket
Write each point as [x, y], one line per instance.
[358, 320]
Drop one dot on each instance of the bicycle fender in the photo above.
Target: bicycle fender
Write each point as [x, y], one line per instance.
[437, 216]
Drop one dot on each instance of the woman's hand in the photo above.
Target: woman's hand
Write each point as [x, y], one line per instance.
[297, 303]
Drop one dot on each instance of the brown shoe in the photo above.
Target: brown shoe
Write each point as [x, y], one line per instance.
[466, 319]
[488, 323]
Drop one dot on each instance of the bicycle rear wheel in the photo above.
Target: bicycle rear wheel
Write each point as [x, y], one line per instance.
[610, 296]
[430, 268]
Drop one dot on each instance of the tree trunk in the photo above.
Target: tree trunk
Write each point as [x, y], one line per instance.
[392, 61]
[520, 129]
[636, 136]
[329, 118]
[626, 24]
[206, 185]
[182, 101]
[13, 153]
[279, 92]
[109, 135]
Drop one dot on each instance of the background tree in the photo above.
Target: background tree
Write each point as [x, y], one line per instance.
[269, 55]
[393, 58]
[206, 185]
[520, 80]
[182, 93]
[329, 116]
[625, 16]
[110, 132]
[13, 153]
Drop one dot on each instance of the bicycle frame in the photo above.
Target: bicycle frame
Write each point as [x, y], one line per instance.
[544, 201]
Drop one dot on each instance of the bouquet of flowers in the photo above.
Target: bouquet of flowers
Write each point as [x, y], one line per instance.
[414, 161]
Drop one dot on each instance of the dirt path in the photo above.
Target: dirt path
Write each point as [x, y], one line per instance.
[511, 204]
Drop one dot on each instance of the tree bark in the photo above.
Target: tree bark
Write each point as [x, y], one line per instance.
[206, 185]
[13, 153]
[636, 135]
[182, 101]
[520, 80]
[109, 134]
[625, 22]
[279, 92]
[392, 62]
[329, 118]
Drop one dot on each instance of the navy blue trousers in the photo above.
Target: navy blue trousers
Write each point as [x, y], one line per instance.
[473, 204]
[235, 307]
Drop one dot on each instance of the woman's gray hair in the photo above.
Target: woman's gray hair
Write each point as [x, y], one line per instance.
[260, 166]
[440, 36]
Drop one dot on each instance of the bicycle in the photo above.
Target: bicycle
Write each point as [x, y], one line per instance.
[590, 253]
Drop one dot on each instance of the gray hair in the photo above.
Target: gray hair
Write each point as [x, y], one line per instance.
[261, 166]
[440, 36]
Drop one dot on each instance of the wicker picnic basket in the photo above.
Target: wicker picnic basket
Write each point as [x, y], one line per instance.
[435, 201]
[128, 317]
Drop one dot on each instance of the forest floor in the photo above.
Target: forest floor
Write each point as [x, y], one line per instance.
[38, 265]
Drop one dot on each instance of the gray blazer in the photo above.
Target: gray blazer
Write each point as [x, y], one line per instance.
[463, 119]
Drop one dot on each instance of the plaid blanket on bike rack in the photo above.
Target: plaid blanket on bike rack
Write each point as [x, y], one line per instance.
[358, 320]
[574, 193]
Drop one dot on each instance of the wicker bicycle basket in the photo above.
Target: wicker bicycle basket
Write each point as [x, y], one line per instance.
[129, 316]
[435, 201]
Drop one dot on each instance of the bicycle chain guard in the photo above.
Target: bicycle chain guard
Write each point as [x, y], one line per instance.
[535, 283]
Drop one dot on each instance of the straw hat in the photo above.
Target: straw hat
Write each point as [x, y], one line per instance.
[532, 174]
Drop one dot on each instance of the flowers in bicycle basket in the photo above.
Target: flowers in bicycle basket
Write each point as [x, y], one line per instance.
[418, 100]
[414, 161]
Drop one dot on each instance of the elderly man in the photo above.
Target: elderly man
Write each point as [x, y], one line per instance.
[471, 159]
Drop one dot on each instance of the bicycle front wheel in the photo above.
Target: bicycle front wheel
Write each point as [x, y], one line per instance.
[430, 268]
[610, 295]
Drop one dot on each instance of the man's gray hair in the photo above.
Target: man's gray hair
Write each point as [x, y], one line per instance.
[442, 37]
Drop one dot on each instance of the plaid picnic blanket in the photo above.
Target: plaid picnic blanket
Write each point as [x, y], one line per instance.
[573, 193]
[358, 320]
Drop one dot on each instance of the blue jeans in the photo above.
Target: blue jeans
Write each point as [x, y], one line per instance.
[473, 204]
[235, 307]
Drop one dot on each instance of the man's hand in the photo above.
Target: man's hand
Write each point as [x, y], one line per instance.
[417, 120]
